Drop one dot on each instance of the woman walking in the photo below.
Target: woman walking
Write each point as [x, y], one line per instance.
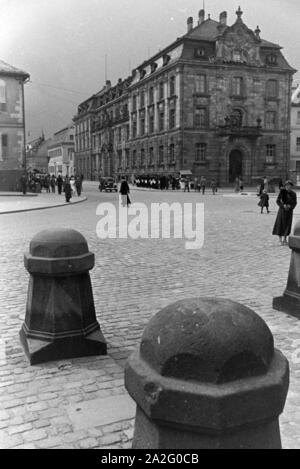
[124, 191]
[287, 201]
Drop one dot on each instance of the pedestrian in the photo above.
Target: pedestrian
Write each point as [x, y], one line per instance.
[59, 182]
[287, 201]
[72, 182]
[78, 185]
[266, 184]
[264, 201]
[24, 183]
[124, 191]
[47, 183]
[52, 183]
[187, 185]
[203, 184]
[213, 186]
[67, 189]
[237, 184]
[195, 184]
[241, 184]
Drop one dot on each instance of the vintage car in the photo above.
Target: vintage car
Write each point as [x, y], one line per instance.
[108, 184]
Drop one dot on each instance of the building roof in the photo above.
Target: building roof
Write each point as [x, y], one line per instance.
[296, 95]
[7, 69]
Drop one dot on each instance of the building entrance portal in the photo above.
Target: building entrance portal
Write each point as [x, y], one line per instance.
[235, 165]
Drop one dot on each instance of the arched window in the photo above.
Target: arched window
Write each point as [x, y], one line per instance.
[2, 95]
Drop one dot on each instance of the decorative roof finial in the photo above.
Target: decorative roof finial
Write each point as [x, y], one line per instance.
[239, 14]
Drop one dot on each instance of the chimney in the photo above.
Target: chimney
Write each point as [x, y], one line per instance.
[201, 16]
[108, 85]
[190, 24]
[223, 18]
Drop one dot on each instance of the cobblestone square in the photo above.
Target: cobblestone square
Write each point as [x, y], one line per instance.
[132, 280]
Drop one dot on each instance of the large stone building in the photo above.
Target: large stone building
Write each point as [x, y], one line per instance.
[295, 135]
[216, 102]
[12, 125]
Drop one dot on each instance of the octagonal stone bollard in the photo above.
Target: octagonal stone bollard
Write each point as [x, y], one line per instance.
[207, 376]
[289, 302]
[60, 320]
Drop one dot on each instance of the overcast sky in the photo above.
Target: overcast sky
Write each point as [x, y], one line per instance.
[62, 43]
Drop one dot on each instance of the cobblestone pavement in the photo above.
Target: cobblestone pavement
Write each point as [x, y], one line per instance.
[132, 280]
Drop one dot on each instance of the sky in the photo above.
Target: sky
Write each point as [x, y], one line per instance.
[62, 44]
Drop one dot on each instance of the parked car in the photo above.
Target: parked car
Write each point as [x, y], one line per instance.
[108, 184]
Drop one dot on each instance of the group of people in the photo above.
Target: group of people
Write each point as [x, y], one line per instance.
[37, 182]
[158, 182]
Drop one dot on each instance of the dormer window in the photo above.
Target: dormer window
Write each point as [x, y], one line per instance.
[153, 67]
[142, 73]
[271, 59]
[166, 59]
[200, 52]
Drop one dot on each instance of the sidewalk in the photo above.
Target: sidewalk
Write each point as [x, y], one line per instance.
[16, 202]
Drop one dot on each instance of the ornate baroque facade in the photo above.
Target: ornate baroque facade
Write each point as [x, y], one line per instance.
[215, 102]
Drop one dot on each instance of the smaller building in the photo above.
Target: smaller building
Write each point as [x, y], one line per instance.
[295, 135]
[61, 152]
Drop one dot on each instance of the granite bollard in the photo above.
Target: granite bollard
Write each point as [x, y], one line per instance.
[289, 302]
[60, 320]
[207, 376]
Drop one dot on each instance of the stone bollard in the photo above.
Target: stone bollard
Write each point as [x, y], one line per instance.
[60, 319]
[207, 376]
[290, 301]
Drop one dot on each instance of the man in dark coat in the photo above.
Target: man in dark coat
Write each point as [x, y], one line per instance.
[59, 182]
[68, 189]
[24, 183]
[124, 191]
[287, 201]
[78, 185]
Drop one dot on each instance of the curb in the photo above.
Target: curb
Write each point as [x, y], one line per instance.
[43, 208]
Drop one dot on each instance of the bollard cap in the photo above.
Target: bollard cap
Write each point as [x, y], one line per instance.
[207, 340]
[207, 363]
[58, 251]
[61, 242]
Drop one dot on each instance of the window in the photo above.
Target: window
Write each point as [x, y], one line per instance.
[272, 89]
[237, 86]
[271, 59]
[200, 84]
[298, 117]
[161, 154]
[142, 123]
[271, 153]
[71, 137]
[270, 120]
[134, 158]
[200, 119]
[171, 153]
[134, 103]
[2, 95]
[134, 126]
[161, 92]
[143, 162]
[142, 99]
[151, 95]
[200, 154]
[220, 83]
[236, 56]
[151, 156]
[151, 120]
[4, 144]
[298, 144]
[161, 118]
[127, 162]
[172, 118]
[127, 132]
[172, 86]
[120, 134]
[120, 158]
[199, 52]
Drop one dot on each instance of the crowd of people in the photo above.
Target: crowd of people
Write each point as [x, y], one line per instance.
[36, 183]
[176, 183]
